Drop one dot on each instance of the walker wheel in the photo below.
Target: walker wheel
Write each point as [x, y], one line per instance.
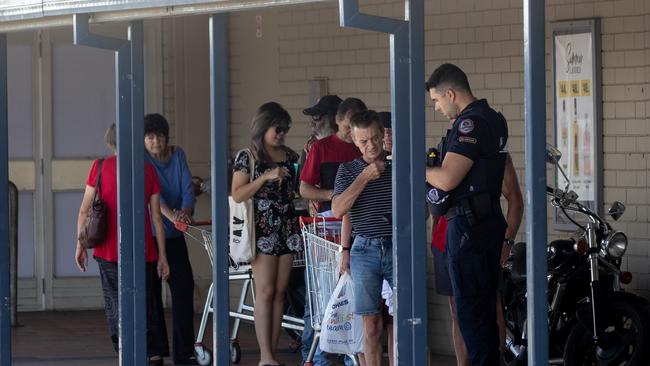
[235, 352]
[203, 355]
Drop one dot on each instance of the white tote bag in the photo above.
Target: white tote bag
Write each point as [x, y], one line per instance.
[242, 222]
[342, 329]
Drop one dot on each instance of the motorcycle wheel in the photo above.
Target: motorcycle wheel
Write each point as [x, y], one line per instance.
[508, 359]
[625, 338]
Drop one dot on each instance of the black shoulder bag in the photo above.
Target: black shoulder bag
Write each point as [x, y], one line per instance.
[94, 229]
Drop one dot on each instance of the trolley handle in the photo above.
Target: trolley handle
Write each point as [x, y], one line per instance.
[183, 227]
[306, 220]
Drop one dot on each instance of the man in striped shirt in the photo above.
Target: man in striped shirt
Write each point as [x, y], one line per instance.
[363, 198]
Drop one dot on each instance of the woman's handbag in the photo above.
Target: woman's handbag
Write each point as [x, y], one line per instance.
[242, 222]
[94, 229]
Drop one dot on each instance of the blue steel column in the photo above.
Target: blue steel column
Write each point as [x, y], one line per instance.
[407, 99]
[133, 350]
[136, 38]
[220, 154]
[418, 266]
[126, 229]
[535, 131]
[5, 292]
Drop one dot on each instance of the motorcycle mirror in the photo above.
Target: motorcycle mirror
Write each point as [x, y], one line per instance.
[553, 155]
[617, 210]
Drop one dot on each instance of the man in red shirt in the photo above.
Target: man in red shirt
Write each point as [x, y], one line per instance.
[512, 193]
[323, 121]
[325, 156]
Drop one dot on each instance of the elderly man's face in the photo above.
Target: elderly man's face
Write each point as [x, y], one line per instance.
[388, 139]
[321, 126]
[344, 127]
[370, 141]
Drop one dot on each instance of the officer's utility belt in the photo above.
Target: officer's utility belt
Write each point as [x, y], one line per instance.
[476, 209]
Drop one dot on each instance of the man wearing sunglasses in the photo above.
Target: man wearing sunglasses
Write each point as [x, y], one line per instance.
[322, 121]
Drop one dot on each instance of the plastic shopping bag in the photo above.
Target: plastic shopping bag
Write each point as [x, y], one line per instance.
[342, 329]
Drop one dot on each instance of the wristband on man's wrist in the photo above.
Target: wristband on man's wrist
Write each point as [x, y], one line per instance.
[346, 248]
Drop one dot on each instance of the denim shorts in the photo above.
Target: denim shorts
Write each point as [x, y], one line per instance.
[371, 261]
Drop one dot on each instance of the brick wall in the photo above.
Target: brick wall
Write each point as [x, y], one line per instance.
[304, 42]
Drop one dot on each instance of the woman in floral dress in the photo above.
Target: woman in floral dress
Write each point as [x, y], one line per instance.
[276, 226]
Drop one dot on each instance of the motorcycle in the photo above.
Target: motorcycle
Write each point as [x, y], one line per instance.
[591, 319]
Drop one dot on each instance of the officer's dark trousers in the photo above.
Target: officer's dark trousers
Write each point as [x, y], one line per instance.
[181, 286]
[473, 259]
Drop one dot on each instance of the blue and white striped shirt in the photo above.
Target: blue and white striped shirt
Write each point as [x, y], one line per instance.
[371, 211]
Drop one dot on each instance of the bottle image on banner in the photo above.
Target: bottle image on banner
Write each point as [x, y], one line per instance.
[564, 136]
[575, 133]
[586, 147]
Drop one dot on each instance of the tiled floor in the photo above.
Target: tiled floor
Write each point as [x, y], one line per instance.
[80, 338]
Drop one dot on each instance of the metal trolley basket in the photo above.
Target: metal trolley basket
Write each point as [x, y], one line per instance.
[322, 238]
[201, 234]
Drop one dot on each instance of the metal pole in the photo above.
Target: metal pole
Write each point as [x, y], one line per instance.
[13, 243]
[418, 265]
[405, 322]
[220, 155]
[535, 137]
[127, 290]
[133, 350]
[407, 97]
[5, 292]
[136, 38]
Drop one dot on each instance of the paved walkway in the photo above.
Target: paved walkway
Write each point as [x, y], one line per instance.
[80, 338]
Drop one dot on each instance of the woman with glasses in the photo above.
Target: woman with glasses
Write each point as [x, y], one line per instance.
[277, 232]
[176, 204]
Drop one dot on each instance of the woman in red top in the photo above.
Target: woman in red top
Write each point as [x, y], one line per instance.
[106, 253]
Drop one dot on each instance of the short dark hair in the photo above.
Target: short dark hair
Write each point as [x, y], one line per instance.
[448, 76]
[365, 119]
[353, 105]
[157, 124]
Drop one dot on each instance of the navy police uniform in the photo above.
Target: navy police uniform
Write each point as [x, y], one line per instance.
[477, 227]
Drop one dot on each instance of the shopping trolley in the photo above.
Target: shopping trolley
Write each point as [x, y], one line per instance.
[322, 238]
[200, 233]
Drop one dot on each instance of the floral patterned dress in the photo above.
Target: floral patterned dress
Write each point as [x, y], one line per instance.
[276, 225]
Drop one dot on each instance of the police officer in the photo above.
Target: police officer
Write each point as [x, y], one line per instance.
[472, 172]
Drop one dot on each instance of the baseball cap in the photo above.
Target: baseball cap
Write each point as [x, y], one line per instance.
[385, 119]
[325, 105]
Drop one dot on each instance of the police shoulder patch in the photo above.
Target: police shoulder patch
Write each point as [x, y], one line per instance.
[466, 126]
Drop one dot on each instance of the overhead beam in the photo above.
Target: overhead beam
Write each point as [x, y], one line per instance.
[10, 24]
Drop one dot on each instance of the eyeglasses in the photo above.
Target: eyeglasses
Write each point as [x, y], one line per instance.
[317, 118]
[281, 129]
